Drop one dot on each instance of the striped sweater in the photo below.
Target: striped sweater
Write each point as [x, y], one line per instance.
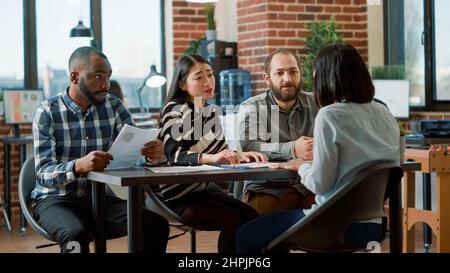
[187, 132]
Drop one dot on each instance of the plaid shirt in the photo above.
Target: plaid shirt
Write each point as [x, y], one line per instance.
[63, 133]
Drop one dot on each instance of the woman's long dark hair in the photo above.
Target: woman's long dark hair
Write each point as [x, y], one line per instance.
[180, 75]
[341, 76]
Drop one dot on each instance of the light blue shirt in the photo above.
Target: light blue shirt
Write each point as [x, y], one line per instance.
[347, 136]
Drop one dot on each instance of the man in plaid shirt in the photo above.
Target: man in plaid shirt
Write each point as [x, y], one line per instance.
[72, 133]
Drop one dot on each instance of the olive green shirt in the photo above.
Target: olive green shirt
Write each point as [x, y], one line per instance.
[265, 128]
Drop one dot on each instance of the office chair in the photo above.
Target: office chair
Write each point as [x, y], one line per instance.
[5, 215]
[27, 183]
[360, 199]
[155, 204]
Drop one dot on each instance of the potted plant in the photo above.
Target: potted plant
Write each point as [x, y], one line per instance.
[389, 72]
[211, 33]
[403, 132]
[193, 47]
[322, 33]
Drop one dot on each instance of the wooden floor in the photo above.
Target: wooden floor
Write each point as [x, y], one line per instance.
[11, 242]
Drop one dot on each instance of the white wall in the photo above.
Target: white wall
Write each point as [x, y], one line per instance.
[169, 41]
[226, 20]
[376, 37]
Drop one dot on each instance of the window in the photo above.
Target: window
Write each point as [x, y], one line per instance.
[132, 46]
[54, 20]
[414, 51]
[424, 39]
[442, 21]
[132, 39]
[12, 53]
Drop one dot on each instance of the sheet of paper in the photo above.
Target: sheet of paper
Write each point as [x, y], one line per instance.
[126, 149]
[183, 169]
[252, 165]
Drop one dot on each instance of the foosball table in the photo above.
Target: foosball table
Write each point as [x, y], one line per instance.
[433, 160]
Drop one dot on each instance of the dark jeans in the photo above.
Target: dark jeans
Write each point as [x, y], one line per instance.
[70, 218]
[256, 235]
[216, 209]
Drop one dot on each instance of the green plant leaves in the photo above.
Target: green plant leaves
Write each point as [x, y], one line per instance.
[209, 12]
[322, 33]
[389, 72]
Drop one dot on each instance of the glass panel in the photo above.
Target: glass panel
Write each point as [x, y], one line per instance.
[442, 22]
[54, 20]
[414, 51]
[11, 55]
[132, 46]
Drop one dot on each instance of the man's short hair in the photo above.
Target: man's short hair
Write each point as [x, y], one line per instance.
[82, 55]
[282, 51]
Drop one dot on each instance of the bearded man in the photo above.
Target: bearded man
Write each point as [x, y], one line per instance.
[279, 123]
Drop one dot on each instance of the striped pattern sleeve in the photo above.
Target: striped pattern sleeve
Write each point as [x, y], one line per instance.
[187, 133]
[175, 130]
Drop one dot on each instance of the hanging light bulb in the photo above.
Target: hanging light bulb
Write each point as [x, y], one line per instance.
[80, 30]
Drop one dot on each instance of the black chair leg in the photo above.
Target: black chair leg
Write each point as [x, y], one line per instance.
[193, 241]
[5, 215]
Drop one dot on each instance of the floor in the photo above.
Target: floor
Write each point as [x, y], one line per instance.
[11, 242]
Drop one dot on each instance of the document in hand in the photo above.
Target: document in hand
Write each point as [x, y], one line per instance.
[126, 149]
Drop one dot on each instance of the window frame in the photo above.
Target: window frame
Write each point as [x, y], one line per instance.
[30, 41]
[394, 49]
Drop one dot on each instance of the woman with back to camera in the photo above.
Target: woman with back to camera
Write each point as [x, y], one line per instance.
[351, 132]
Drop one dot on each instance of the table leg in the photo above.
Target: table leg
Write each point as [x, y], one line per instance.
[135, 204]
[98, 206]
[426, 206]
[395, 220]
[443, 213]
[23, 222]
[409, 201]
[7, 182]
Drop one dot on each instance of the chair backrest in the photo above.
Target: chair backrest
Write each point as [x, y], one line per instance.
[155, 204]
[27, 183]
[361, 198]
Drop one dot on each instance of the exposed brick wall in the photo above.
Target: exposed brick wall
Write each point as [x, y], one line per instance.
[5, 130]
[266, 25]
[189, 23]
[429, 115]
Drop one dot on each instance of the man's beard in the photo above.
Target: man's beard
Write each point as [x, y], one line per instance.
[280, 95]
[88, 94]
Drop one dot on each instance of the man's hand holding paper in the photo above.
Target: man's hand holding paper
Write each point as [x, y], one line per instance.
[131, 144]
